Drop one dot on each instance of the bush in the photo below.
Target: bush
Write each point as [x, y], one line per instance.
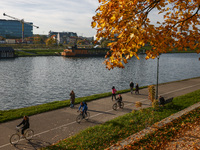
[155, 104]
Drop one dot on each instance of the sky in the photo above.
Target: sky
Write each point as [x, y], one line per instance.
[55, 15]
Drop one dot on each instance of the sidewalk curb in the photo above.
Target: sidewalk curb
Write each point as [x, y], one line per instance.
[138, 136]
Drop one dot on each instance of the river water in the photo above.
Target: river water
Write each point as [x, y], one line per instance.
[27, 81]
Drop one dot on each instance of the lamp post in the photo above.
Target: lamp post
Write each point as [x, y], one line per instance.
[157, 76]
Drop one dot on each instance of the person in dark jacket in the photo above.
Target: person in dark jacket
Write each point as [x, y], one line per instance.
[25, 123]
[119, 100]
[72, 98]
[161, 100]
[137, 89]
[131, 87]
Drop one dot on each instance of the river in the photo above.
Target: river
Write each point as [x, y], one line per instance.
[28, 81]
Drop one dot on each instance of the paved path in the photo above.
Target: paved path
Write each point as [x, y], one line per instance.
[53, 126]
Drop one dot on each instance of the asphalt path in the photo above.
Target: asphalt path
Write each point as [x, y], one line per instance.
[50, 127]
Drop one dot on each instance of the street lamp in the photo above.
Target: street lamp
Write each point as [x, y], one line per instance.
[157, 76]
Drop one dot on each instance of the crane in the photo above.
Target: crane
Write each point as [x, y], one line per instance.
[22, 22]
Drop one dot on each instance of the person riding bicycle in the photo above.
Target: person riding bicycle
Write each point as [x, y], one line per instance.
[84, 107]
[119, 100]
[25, 123]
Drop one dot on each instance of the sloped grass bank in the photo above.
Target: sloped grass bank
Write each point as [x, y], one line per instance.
[8, 115]
[103, 136]
[167, 133]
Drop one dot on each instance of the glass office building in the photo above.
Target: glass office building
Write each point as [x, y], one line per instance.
[13, 29]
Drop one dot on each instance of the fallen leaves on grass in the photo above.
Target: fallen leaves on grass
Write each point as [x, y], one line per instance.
[182, 133]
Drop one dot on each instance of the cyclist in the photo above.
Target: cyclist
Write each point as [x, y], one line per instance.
[119, 100]
[25, 123]
[84, 107]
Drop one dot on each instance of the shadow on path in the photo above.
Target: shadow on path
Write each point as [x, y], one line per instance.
[31, 144]
[101, 112]
[96, 122]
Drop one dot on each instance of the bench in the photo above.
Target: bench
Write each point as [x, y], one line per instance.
[168, 100]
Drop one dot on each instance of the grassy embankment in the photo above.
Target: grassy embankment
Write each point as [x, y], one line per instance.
[38, 52]
[173, 51]
[175, 129]
[18, 113]
[103, 136]
[55, 51]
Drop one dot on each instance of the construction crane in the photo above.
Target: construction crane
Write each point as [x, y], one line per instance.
[22, 22]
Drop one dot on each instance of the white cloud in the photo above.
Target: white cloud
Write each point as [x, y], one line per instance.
[54, 15]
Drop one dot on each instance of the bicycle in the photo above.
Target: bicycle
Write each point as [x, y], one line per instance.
[82, 116]
[28, 134]
[116, 105]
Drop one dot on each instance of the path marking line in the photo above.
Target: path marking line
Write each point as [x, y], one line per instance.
[4, 145]
[181, 89]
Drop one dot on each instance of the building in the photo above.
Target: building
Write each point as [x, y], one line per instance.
[12, 29]
[10, 41]
[63, 37]
[7, 52]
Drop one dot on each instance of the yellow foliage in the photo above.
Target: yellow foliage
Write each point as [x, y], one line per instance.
[138, 104]
[93, 24]
[127, 24]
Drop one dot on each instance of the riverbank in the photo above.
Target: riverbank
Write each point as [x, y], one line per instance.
[56, 125]
[57, 51]
[170, 133]
[37, 52]
[104, 135]
[13, 114]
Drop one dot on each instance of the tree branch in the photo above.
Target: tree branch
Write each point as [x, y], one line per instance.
[187, 18]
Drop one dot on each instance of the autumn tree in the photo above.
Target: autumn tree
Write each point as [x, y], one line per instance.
[127, 24]
[2, 38]
[39, 39]
[51, 41]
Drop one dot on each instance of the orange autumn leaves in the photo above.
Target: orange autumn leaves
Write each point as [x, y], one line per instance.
[127, 24]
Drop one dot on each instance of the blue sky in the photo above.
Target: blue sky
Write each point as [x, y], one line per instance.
[54, 15]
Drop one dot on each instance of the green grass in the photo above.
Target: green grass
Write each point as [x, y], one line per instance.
[32, 110]
[165, 134]
[52, 51]
[20, 53]
[38, 52]
[104, 135]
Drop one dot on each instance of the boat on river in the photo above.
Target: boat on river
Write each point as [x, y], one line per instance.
[84, 52]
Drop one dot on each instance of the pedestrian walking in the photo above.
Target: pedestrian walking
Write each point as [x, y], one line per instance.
[72, 98]
[137, 89]
[131, 86]
[114, 93]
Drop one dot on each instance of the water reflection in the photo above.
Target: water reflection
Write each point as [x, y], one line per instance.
[35, 80]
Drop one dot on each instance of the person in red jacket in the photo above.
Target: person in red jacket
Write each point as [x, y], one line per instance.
[114, 93]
